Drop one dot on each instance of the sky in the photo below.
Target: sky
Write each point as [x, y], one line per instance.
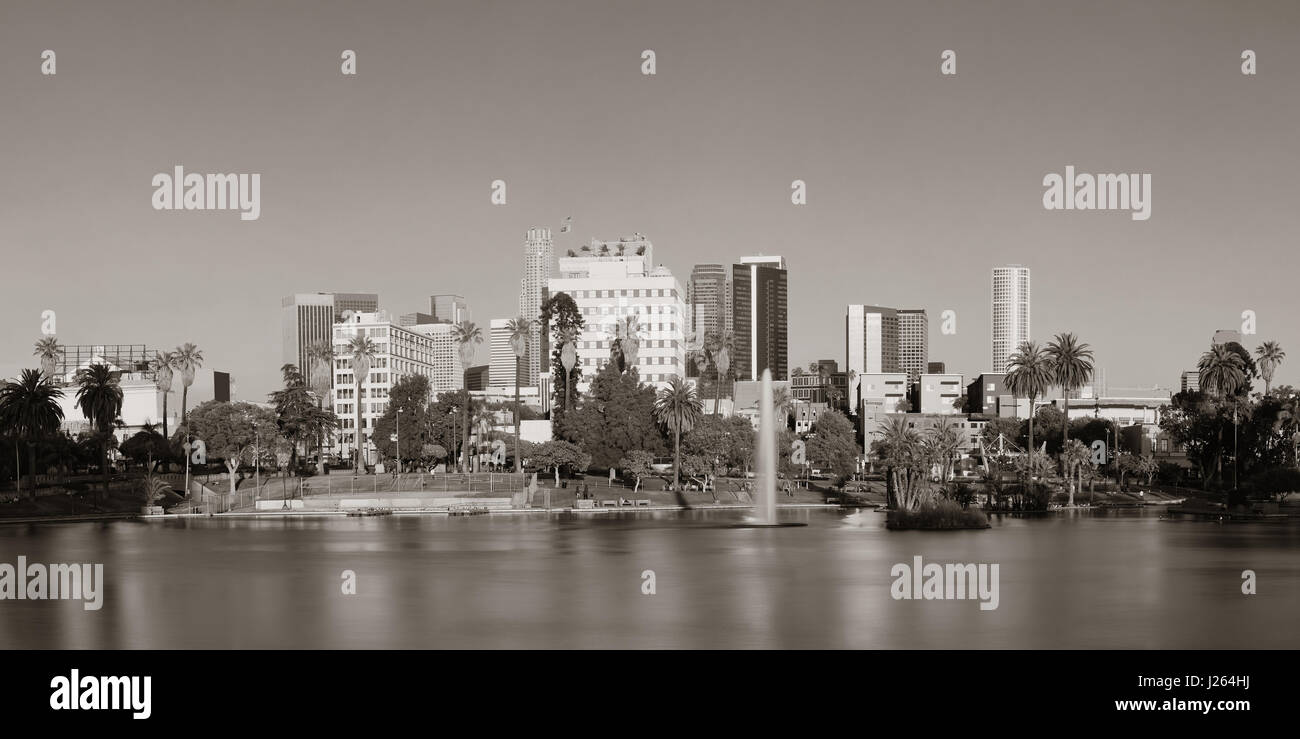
[918, 183]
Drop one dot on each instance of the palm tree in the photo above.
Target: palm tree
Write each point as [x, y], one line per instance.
[49, 351]
[186, 359]
[1071, 364]
[1029, 373]
[720, 350]
[99, 396]
[1074, 455]
[362, 351]
[568, 358]
[945, 440]
[1222, 372]
[320, 378]
[29, 408]
[899, 448]
[467, 335]
[521, 330]
[679, 408]
[628, 332]
[162, 366]
[1270, 356]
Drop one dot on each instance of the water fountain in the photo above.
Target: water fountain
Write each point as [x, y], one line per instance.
[765, 484]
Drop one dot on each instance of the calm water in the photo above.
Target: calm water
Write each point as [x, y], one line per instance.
[1069, 581]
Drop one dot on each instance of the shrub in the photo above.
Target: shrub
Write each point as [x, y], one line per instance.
[938, 514]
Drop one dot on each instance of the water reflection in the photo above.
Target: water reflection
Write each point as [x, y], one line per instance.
[1073, 580]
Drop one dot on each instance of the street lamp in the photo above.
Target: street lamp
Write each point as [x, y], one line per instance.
[451, 439]
[399, 440]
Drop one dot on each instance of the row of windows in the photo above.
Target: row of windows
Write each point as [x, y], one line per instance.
[638, 293]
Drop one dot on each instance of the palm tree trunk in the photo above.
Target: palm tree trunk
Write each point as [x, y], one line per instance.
[1030, 458]
[677, 458]
[165, 436]
[717, 391]
[1065, 431]
[518, 467]
[185, 399]
[356, 466]
[103, 464]
[31, 464]
[464, 447]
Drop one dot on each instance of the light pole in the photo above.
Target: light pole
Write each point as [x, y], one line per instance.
[451, 440]
[399, 440]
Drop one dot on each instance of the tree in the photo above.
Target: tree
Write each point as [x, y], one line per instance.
[521, 330]
[146, 447]
[1071, 364]
[1222, 372]
[1029, 373]
[49, 351]
[899, 448]
[834, 440]
[720, 349]
[728, 441]
[320, 379]
[626, 346]
[99, 397]
[299, 419]
[637, 464]
[678, 408]
[944, 442]
[362, 351]
[1073, 457]
[558, 453]
[1270, 356]
[615, 417]
[467, 336]
[186, 359]
[30, 410]
[233, 432]
[562, 318]
[163, 367]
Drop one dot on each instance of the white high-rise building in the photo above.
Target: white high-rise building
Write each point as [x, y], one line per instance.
[425, 349]
[539, 267]
[1010, 312]
[502, 371]
[609, 280]
[913, 343]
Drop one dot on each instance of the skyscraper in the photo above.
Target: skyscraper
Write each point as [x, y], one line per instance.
[502, 371]
[913, 343]
[759, 292]
[871, 340]
[355, 302]
[305, 319]
[709, 296]
[539, 267]
[448, 308]
[1010, 312]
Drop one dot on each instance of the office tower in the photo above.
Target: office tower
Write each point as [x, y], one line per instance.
[708, 295]
[306, 319]
[221, 387]
[871, 338]
[503, 371]
[759, 323]
[913, 343]
[476, 378]
[939, 393]
[1010, 312]
[355, 302]
[415, 319]
[539, 266]
[426, 349]
[1190, 381]
[610, 280]
[935, 368]
[449, 309]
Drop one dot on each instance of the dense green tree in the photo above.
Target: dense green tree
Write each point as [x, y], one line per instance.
[99, 397]
[614, 418]
[834, 441]
[30, 411]
[562, 318]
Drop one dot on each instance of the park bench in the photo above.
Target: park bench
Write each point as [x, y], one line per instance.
[643, 502]
[609, 503]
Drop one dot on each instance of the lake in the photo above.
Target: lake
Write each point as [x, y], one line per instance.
[1076, 580]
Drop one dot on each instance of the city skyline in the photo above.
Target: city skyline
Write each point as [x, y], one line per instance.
[417, 205]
